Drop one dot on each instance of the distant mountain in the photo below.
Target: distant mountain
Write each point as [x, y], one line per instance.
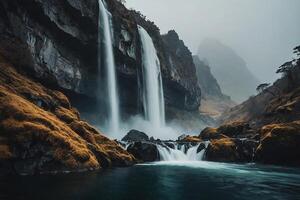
[229, 68]
[213, 102]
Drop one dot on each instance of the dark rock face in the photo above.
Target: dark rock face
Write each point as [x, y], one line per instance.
[182, 71]
[56, 42]
[53, 40]
[209, 85]
[144, 151]
[135, 136]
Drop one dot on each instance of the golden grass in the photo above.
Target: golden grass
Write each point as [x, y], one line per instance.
[30, 113]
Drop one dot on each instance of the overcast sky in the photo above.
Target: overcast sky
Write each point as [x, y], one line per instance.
[263, 32]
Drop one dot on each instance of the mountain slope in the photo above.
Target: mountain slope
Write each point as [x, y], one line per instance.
[213, 102]
[229, 69]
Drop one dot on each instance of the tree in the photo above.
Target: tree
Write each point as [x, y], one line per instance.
[262, 87]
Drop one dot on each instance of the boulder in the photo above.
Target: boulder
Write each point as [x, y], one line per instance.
[235, 129]
[211, 134]
[135, 136]
[280, 144]
[231, 150]
[191, 139]
[144, 151]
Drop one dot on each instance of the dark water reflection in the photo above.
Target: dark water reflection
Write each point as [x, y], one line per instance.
[172, 180]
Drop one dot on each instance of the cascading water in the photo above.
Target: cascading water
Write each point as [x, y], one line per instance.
[105, 39]
[178, 153]
[153, 96]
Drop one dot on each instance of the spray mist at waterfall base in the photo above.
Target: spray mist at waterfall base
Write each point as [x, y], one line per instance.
[138, 122]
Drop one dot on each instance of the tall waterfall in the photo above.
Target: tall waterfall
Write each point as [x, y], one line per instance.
[105, 39]
[153, 96]
[178, 154]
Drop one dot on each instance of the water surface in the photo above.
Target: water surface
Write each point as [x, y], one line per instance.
[161, 181]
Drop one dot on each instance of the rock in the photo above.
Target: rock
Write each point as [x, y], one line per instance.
[191, 139]
[135, 136]
[231, 150]
[181, 137]
[201, 147]
[235, 129]
[144, 151]
[222, 150]
[182, 72]
[211, 134]
[280, 144]
[49, 138]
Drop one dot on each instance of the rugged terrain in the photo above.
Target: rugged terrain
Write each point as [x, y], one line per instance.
[270, 118]
[57, 43]
[42, 133]
[213, 102]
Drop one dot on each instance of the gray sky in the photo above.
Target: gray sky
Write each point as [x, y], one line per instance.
[263, 32]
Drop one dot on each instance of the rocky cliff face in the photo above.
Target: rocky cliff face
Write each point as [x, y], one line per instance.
[56, 42]
[209, 85]
[213, 102]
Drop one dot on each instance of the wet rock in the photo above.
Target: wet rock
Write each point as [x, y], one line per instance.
[135, 136]
[201, 147]
[144, 151]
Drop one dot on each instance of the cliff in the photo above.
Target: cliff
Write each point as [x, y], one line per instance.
[56, 42]
[213, 102]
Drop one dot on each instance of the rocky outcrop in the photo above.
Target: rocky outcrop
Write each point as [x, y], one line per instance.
[232, 130]
[231, 150]
[229, 69]
[182, 71]
[134, 136]
[280, 144]
[40, 132]
[211, 134]
[209, 85]
[213, 102]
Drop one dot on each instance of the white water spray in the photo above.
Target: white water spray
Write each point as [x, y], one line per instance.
[153, 96]
[178, 154]
[113, 99]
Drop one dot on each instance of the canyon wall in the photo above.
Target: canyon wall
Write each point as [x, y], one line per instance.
[56, 43]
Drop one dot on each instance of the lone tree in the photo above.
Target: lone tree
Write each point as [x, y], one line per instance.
[287, 68]
[262, 87]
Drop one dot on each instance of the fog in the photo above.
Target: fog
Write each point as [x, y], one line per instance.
[263, 32]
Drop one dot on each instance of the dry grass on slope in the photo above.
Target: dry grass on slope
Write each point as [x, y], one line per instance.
[40, 131]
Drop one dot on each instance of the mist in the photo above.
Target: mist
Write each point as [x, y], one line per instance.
[262, 32]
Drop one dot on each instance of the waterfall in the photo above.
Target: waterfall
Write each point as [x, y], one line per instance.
[178, 154]
[153, 96]
[105, 35]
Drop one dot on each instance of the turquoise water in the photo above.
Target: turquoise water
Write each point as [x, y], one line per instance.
[162, 180]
